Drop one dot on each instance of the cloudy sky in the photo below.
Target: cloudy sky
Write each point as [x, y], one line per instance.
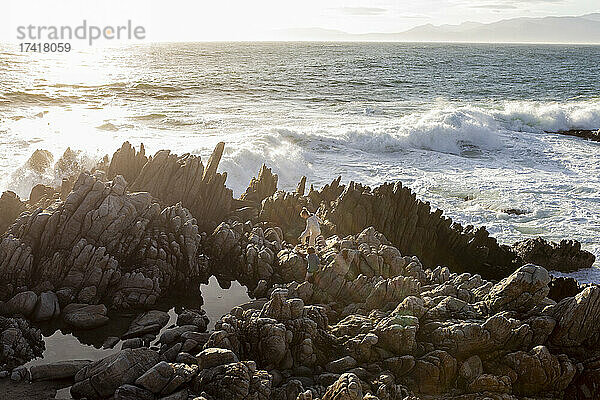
[185, 20]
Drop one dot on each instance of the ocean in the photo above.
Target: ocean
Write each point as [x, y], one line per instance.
[464, 125]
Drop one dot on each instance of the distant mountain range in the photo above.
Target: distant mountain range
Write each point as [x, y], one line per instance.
[582, 29]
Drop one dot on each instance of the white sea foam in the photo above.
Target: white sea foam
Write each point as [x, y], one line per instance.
[550, 117]
[473, 161]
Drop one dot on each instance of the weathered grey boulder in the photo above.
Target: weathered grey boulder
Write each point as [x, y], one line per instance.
[133, 343]
[347, 387]
[149, 322]
[193, 317]
[183, 373]
[522, 290]
[131, 392]
[57, 370]
[21, 303]
[47, 307]
[102, 378]
[577, 319]
[157, 377]
[83, 316]
[212, 357]
[341, 365]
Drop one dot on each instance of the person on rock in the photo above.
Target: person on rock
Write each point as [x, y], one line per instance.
[313, 227]
[313, 262]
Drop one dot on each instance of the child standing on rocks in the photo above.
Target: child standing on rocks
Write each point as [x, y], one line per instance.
[313, 262]
[313, 227]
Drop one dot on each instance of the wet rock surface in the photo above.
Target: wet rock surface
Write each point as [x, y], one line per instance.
[582, 133]
[401, 306]
[565, 256]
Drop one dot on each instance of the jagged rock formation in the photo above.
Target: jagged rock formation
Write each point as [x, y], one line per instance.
[127, 162]
[262, 187]
[565, 256]
[19, 343]
[241, 251]
[412, 226]
[101, 379]
[102, 245]
[431, 331]
[10, 208]
[582, 133]
[183, 179]
[284, 334]
[373, 322]
[40, 161]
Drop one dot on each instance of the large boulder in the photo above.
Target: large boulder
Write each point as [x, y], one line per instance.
[165, 377]
[346, 387]
[566, 256]
[522, 290]
[84, 316]
[539, 371]
[212, 357]
[102, 378]
[150, 322]
[577, 319]
[47, 307]
[22, 303]
[57, 370]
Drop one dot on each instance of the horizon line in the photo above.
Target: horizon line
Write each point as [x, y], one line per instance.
[150, 42]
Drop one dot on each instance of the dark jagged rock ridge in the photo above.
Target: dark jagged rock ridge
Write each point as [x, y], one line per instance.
[391, 208]
[411, 226]
[262, 187]
[178, 179]
[582, 133]
[102, 245]
[565, 256]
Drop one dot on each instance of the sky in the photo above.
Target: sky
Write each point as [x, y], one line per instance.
[197, 20]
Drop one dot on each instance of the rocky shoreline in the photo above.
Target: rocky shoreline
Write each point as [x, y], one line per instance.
[407, 304]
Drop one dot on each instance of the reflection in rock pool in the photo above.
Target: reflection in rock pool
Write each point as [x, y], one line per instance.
[219, 301]
[63, 344]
